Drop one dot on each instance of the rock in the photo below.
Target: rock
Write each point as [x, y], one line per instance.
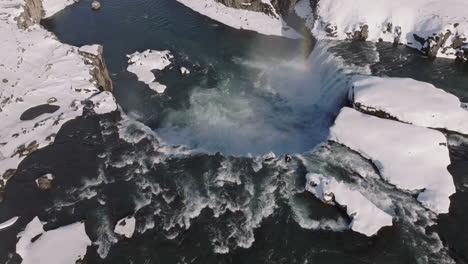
[360, 35]
[51, 100]
[45, 182]
[8, 174]
[439, 42]
[95, 5]
[184, 71]
[92, 55]
[76, 1]
[4, 80]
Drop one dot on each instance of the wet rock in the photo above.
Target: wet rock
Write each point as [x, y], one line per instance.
[38, 110]
[95, 5]
[439, 42]
[45, 182]
[360, 35]
[8, 174]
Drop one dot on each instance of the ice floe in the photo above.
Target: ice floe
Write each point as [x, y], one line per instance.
[9, 222]
[367, 218]
[242, 19]
[397, 20]
[66, 244]
[142, 64]
[410, 157]
[409, 101]
[125, 226]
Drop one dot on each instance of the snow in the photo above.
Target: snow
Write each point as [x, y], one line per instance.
[125, 226]
[142, 64]
[51, 7]
[421, 17]
[66, 244]
[410, 101]
[366, 217]
[104, 102]
[36, 69]
[410, 157]
[91, 49]
[242, 19]
[9, 222]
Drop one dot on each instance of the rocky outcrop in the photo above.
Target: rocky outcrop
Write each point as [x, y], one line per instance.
[99, 71]
[32, 14]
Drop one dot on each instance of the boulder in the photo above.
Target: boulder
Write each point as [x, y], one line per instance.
[95, 5]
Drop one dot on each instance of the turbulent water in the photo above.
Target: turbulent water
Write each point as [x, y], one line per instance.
[190, 164]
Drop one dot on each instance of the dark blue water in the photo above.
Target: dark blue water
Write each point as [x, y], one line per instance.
[213, 208]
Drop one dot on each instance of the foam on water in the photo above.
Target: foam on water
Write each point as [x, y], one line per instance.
[288, 109]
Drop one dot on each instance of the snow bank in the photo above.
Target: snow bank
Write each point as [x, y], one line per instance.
[390, 19]
[142, 65]
[53, 6]
[242, 19]
[125, 226]
[410, 157]
[366, 217]
[36, 72]
[62, 245]
[410, 101]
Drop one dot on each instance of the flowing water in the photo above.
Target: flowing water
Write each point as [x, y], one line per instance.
[190, 164]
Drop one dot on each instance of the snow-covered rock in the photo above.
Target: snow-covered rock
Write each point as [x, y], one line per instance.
[367, 218]
[436, 27]
[410, 157]
[45, 182]
[66, 244]
[53, 6]
[40, 76]
[268, 24]
[409, 101]
[125, 226]
[142, 64]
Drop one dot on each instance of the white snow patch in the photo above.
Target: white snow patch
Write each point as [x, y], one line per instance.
[53, 6]
[9, 222]
[125, 226]
[36, 69]
[410, 101]
[66, 244]
[410, 157]
[104, 102]
[91, 49]
[242, 19]
[385, 18]
[142, 64]
[367, 218]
